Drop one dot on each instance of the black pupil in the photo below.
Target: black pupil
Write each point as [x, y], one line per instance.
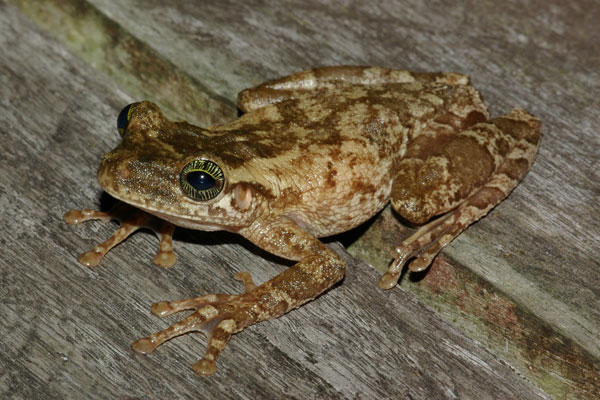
[200, 180]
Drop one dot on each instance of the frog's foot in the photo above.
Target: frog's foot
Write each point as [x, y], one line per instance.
[131, 219]
[218, 316]
[424, 244]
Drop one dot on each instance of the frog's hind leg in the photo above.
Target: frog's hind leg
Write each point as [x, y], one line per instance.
[476, 169]
[291, 86]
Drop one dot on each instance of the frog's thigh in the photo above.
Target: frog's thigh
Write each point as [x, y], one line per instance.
[447, 170]
[434, 182]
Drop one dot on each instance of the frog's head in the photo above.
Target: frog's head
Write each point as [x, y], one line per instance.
[187, 175]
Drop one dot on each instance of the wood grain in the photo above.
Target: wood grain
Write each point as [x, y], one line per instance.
[67, 330]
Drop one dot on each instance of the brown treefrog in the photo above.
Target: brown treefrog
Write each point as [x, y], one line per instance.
[314, 154]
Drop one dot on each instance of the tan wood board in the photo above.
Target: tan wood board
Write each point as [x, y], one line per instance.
[539, 247]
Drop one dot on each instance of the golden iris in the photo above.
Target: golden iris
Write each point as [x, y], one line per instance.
[202, 180]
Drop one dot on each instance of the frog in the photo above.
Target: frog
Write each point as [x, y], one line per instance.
[311, 155]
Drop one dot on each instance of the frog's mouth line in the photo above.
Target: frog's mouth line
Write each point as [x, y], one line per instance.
[208, 223]
[190, 223]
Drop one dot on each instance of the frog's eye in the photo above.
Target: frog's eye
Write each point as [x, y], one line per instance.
[201, 180]
[124, 117]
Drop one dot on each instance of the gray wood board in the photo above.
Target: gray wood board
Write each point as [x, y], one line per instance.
[66, 329]
[540, 247]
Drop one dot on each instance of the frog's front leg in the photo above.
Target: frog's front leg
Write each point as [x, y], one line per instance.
[465, 176]
[220, 315]
[131, 219]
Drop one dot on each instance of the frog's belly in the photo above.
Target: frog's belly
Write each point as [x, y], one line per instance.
[339, 212]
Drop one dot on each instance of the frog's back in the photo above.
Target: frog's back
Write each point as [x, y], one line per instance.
[329, 153]
[383, 114]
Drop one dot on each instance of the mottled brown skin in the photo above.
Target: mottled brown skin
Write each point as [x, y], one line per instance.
[316, 153]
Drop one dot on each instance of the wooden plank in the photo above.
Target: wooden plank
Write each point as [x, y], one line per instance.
[66, 329]
[511, 66]
[518, 58]
[524, 249]
[510, 74]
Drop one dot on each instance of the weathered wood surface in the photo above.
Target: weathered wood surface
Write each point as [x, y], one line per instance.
[538, 248]
[66, 329]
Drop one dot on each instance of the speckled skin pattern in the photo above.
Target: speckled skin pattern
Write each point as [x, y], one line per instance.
[314, 154]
